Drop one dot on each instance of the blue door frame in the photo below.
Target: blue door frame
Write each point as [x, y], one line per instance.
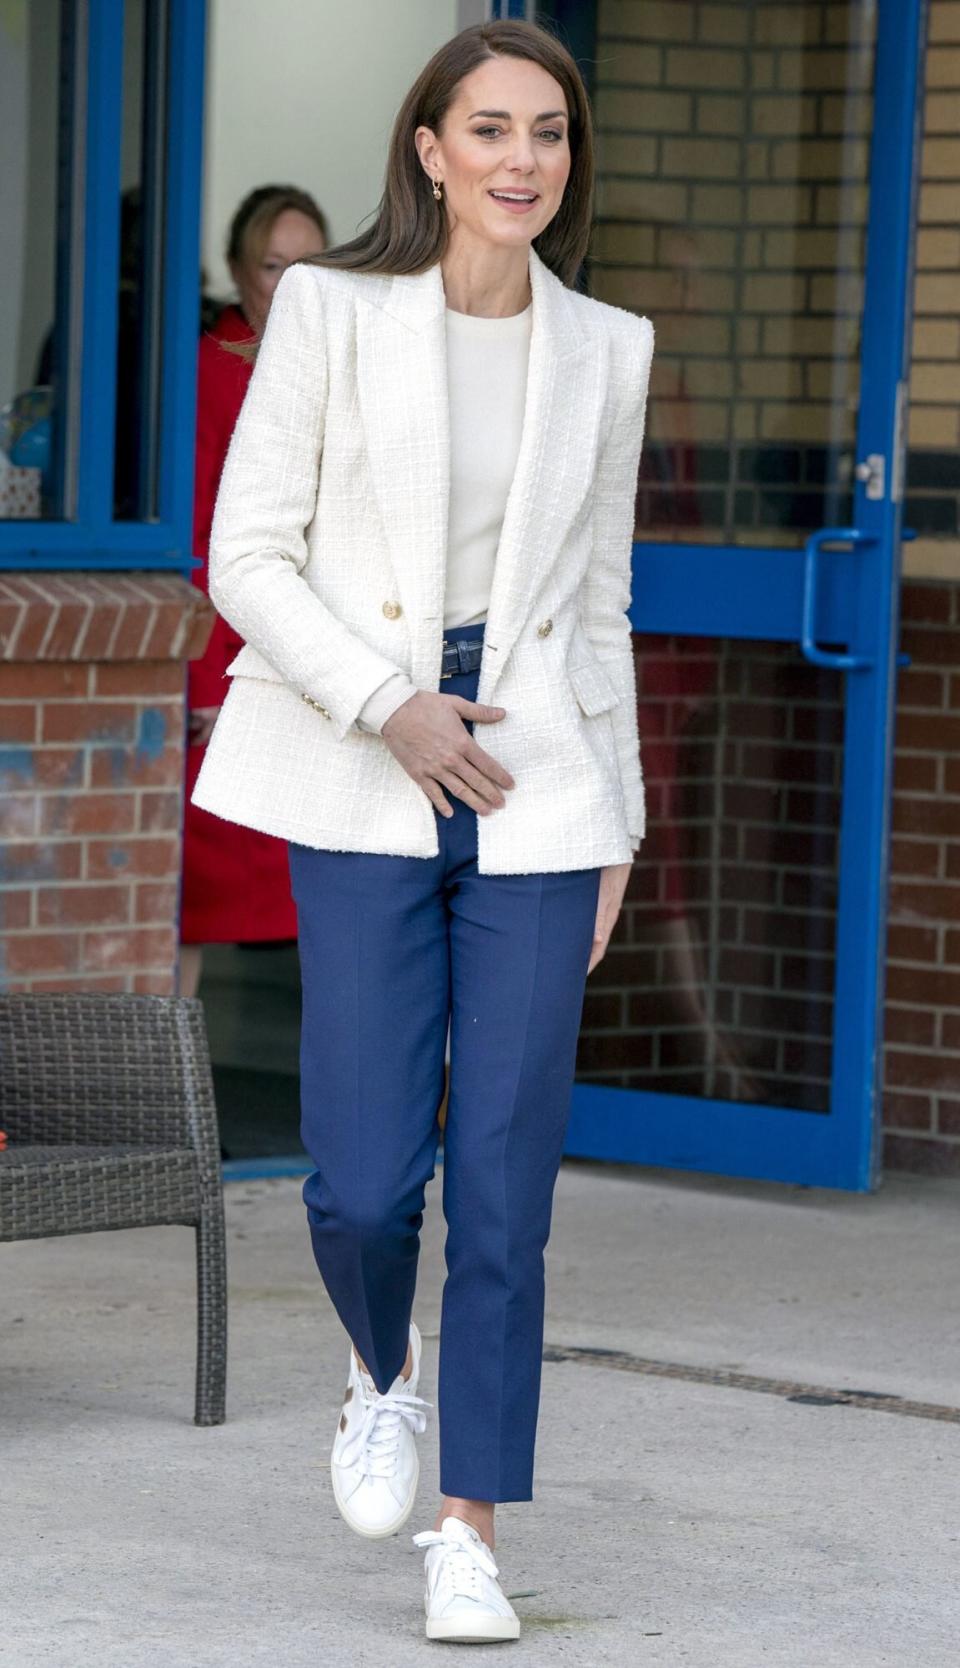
[839, 590]
[87, 283]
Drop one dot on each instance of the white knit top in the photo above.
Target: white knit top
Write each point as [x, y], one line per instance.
[487, 385]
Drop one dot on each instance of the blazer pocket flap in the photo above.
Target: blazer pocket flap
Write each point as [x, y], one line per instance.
[250, 663]
[595, 691]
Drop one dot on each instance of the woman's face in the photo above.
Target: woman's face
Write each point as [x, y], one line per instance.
[292, 236]
[504, 153]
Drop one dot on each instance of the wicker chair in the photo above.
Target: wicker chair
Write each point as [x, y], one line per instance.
[108, 1105]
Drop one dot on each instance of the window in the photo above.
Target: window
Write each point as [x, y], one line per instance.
[101, 105]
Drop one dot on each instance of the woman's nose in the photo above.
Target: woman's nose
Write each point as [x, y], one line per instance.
[521, 159]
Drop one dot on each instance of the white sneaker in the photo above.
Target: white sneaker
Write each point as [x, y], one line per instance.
[374, 1463]
[464, 1600]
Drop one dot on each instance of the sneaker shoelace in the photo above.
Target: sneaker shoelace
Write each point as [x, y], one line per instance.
[463, 1562]
[375, 1444]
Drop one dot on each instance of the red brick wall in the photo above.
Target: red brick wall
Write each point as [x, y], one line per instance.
[922, 1055]
[91, 772]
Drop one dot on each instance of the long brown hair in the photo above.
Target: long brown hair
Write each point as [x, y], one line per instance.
[410, 230]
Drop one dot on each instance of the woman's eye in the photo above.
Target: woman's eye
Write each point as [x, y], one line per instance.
[552, 134]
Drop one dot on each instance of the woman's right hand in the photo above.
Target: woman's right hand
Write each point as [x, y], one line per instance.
[428, 736]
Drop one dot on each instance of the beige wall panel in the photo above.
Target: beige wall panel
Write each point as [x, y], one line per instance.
[936, 338]
[718, 113]
[723, 25]
[932, 425]
[654, 20]
[945, 21]
[942, 68]
[696, 68]
[649, 200]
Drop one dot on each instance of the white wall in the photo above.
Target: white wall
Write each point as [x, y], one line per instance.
[14, 104]
[304, 92]
[28, 185]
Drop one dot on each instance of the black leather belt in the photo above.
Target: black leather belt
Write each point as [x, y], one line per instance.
[460, 655]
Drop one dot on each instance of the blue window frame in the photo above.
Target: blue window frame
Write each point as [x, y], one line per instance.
[90, 535]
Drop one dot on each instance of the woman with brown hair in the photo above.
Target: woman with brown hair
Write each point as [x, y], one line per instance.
[424, 534]
[236, 881]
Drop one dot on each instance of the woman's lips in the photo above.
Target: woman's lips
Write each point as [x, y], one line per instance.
[516, 205]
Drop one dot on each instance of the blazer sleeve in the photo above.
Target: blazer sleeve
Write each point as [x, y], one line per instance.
[606, 592]
[267, 498]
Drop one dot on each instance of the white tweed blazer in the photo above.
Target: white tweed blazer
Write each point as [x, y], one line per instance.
[328, 552]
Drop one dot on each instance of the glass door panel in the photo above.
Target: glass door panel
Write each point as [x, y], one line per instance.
[757, 199]
[720, 981]
[734, 161]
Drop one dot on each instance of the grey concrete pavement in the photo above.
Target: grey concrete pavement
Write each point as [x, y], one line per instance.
[676, 1524]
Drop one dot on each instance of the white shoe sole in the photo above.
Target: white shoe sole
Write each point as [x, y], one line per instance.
[393, 1527]
[473, 1630]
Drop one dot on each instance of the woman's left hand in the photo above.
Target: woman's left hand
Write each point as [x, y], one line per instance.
[613, 885]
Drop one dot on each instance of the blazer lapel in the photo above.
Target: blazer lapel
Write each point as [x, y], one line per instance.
[404, 408]
[402, 390]
[566, 389]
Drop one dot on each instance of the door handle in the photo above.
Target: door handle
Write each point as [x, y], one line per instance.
[808, 643]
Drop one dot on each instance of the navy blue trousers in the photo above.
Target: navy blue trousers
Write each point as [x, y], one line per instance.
[391, 948]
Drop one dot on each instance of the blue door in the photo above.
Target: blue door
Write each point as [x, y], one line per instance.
[735, 1024]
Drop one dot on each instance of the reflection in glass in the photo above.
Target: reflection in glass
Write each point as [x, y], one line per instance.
[719, 982]
[734, 149]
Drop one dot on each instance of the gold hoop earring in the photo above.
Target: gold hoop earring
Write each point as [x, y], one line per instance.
[438, 194]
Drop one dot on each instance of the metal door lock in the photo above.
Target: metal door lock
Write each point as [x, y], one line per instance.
[873, 472]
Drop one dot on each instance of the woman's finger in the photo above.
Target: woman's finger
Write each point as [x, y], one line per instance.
[483, 762]
[461, 790]
[475, 712]
[436, 797]
[481, 784]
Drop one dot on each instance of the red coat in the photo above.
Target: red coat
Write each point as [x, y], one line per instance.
[236, 884]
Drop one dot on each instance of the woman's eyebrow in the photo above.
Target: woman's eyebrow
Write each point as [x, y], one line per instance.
[504, 115]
